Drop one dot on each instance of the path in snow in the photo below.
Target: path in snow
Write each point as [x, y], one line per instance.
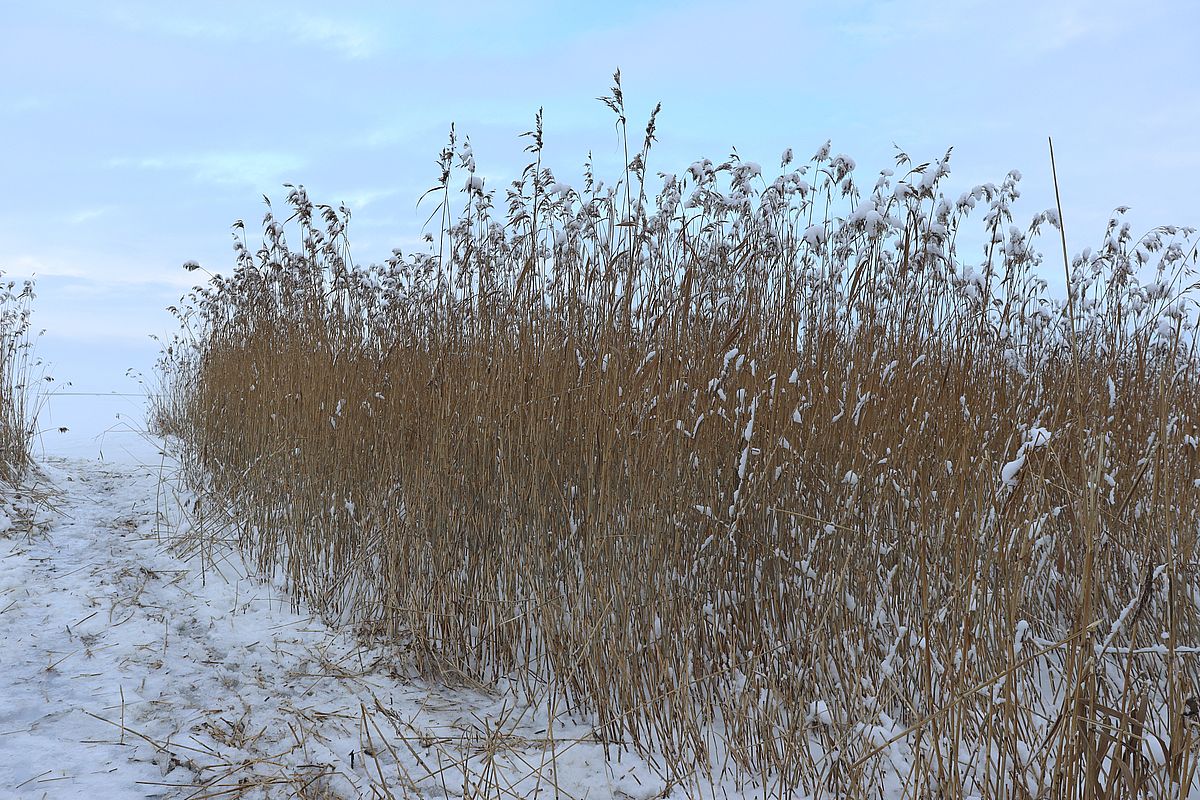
[128, 672]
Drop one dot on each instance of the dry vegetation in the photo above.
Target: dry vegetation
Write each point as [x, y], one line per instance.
[16, 425]
[763, 474]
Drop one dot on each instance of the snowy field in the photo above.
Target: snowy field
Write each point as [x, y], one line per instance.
[133, 672]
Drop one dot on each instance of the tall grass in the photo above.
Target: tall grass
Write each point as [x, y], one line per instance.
[16, 417]
[763, 473]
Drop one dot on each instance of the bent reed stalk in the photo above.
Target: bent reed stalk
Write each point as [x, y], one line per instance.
[762, 475]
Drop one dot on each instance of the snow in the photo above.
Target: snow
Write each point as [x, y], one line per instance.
[1038, 437]
[819, 711]
[1035, 437]
[1019, 636]
[1009, 472]
[132, 670]
[751, 169]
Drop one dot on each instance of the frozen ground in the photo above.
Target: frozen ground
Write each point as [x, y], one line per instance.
[130, 670]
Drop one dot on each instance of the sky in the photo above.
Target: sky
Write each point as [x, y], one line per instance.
[135, 133]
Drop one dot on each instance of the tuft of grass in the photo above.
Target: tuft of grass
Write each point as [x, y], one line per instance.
[16, 413]
[765, 475]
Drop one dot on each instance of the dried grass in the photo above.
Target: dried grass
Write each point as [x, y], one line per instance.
[766, 476]
[16, 417]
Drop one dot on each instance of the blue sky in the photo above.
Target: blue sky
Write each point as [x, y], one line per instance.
[135, 133]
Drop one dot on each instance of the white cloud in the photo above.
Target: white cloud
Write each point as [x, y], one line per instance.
[384, 135]
[112, 271]
[1049, 27]
[87, 215]
[28, 266]
[253, 24]
[255, 169]
[152, 19]
[348, 40]
[358, 199]
[20, 105]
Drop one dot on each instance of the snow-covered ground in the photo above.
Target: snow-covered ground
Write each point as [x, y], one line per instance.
[130, 670]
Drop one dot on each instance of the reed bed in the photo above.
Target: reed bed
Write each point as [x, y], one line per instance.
[16, 413]
[763, 474]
